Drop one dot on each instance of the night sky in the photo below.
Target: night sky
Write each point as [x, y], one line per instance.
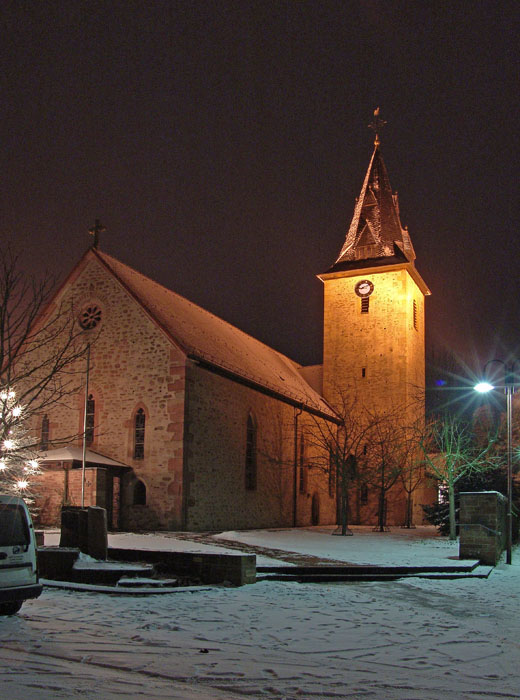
[222, 144]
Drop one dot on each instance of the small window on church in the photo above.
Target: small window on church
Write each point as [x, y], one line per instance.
[139, 434]
[90, 419]
[363, 496]
[44, 438]
[365, 301]
[139, 493]
[90, 317]
[363, 372]
[415, 323]
[250, 471]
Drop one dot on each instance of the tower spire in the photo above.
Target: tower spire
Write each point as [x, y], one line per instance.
[376, 232]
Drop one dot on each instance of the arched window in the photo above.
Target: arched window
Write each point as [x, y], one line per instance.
[250, 466]
[44, 438]
[90, 418]
[139, 434]
[139, 493]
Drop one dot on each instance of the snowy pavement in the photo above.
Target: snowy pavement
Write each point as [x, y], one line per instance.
[398, 640]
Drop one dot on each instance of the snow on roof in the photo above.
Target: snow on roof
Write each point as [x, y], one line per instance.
[376, 225]
[208, 338]
[69, 454]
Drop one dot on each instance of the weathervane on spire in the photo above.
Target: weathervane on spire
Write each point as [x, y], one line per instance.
[377, 124]
[95, 231]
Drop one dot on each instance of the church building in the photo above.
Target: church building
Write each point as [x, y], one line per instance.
[192, 424]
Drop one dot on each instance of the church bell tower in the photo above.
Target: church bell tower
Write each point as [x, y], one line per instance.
[374, 304]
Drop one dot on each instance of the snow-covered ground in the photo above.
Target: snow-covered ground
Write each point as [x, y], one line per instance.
[400, 547]
[412, 638]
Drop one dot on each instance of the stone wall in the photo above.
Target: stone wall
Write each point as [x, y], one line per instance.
[377, 360]
[384, 342]
[482, 526]
[216, 423]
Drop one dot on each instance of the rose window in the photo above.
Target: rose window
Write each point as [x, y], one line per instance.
[90, 318]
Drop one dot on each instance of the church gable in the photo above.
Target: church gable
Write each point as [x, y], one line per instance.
[134, 367]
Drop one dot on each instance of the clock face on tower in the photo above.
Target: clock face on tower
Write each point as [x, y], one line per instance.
[364, 288]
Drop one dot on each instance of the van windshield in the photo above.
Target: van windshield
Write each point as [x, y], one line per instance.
[13, 525]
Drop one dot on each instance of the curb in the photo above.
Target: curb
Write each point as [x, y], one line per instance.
[120, 590]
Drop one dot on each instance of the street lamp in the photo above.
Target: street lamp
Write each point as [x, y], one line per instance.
[509, 388]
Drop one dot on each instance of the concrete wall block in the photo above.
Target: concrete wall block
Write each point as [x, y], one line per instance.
[482, 526]
[97, 532]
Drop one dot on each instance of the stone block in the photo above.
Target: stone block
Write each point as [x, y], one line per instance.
[69, 536]
[55, 563]
[482, 526]
[83, 530]
[97, 532]
[237, 569]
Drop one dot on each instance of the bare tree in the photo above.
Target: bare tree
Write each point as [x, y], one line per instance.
[413, 473]
[342, 448]
[39, 347]
[451, 452]
[388, 443]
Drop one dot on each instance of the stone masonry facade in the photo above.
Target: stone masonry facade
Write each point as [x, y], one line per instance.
[378, 357]
[216, 423]
[195, 432]
[133, 365]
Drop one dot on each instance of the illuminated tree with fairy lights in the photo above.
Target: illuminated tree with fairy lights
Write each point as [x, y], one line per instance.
[42, 350]
[18, 463]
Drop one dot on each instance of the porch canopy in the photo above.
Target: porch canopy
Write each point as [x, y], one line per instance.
[73, 458]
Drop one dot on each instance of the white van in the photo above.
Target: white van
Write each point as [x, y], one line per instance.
[18, 567]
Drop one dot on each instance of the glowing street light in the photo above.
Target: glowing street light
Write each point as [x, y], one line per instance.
[483, 387]
[509, 388]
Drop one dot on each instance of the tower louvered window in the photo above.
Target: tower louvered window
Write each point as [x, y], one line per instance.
[139, 434]
[365, 302]
[415, 323]
[250, 471]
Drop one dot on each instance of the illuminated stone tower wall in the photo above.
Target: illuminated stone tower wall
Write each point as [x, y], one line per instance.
[373, 352]
[374, 346]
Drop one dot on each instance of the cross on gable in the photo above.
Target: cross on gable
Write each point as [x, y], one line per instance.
[95, 231]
